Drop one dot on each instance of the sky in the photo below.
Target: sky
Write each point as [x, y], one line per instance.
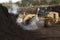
[1, 1]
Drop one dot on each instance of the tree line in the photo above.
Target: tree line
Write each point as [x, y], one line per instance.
[39, 2]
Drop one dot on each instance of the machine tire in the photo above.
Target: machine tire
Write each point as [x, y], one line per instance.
[48, 24]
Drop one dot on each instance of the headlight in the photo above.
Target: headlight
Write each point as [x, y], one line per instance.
[19, 20]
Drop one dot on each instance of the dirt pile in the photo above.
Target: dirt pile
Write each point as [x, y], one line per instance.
[9, 29]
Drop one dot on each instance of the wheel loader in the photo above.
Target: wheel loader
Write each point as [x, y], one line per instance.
[45, 19]
[50, 18]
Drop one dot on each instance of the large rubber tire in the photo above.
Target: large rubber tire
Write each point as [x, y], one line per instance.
[48, 23]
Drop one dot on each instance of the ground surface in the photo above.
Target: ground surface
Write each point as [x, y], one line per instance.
[45, 33]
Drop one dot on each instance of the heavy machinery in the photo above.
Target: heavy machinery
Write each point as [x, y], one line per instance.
[32, 21]
[47, 19]
[51, 18]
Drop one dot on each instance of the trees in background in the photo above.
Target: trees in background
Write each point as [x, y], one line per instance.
[26, 2]
[43, 2]
[54, 2]
[39, 2]
[34, 2]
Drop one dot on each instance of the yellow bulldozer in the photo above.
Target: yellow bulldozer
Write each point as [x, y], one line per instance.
[47, 19]
[50, 19]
